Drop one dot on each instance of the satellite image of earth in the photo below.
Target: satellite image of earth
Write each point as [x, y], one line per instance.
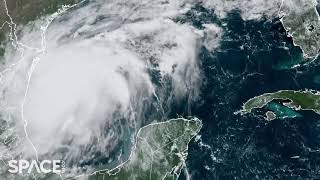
[159, 89]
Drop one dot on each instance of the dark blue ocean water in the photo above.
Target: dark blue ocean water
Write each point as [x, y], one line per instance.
[255, 57]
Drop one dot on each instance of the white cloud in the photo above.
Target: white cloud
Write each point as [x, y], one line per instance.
[249, 9]
[212, 36]
[92, 71]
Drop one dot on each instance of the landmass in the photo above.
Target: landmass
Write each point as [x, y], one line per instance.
[301, 21]
[22, 12]
[297, 100]
[270, 116]
[160, 152]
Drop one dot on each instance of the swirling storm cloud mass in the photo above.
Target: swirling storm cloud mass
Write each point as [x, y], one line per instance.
[74, 84]
[67, 87]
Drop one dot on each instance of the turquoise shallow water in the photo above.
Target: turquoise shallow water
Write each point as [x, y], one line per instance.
[281, 111]
[255, 57]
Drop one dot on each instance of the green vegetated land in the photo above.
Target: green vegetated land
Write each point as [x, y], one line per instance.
[301, 20]
[303, 100]
[24, 11]
[160, 152]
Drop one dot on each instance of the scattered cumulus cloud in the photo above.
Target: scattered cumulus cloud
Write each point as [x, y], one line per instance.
[249, 9]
